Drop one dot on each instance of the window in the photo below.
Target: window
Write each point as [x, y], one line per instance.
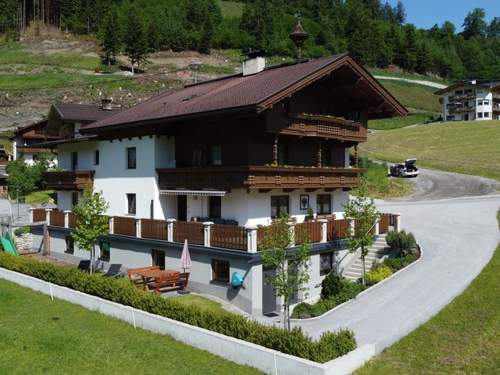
[486, 102]
[216, 155]
[96, 157]
[197, 157]
[105, 250]
[70, 245]
[279, 206]
[326, 262]
[74, 198]
[458, 92]
[486, 115]
[323, 203]
[158, 258]
[479, 102]
[131, 204]
[74, 161]
[214, 207]
[220, 270]
[480, 115]
[131, 158]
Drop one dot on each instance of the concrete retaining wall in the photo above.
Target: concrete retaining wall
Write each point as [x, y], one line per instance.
[239, 351]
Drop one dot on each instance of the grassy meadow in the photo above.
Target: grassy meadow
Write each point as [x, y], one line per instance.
[463, 147]
[40, 336]
[413, 118]
[413, 95]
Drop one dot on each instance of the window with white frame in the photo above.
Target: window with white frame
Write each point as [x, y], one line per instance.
[131, 204]
[486, 115]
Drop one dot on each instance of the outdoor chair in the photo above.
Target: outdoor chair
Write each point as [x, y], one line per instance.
[114, 270]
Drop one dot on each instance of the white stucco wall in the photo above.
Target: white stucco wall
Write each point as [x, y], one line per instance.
[114, 179]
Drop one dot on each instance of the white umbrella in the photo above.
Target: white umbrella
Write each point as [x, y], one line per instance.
[185, 257]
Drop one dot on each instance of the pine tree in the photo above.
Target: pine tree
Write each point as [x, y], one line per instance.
[400, 13]
[474, 24]
[206, 38]
[110, 36]
[135, 38]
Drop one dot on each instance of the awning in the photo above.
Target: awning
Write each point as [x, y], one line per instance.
[197, 193]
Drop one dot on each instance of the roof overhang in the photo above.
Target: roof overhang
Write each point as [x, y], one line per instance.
[194, 193]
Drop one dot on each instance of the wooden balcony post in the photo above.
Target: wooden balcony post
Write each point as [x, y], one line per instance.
[275, 150]
[206, 233]
[324, 230]
[138, 228]
[31, 209]
[291, 228]
[170, 230]
[398, 222]
[319, 162]
[111, 225]
[47, 215]
[251, 239]
[66, 218]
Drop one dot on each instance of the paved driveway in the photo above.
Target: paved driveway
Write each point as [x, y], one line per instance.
[458, 237]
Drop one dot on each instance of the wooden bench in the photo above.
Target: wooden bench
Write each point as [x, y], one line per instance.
[168, 282]
[134, 274]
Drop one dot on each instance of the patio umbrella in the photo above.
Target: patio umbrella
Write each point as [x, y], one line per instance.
[185, 257]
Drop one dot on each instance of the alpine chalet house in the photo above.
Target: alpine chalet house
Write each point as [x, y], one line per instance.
[25, 140]
[470, 101]
[214, 162]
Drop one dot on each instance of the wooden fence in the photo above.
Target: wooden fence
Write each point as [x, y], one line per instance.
[156, 229]
[72, 220]
[39, 214]
[57, 218]
[124, 226]
[190, 230]
[228, 236]
[337, 229]
[308, 232]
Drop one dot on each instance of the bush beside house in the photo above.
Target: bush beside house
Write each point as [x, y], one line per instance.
[330, 345]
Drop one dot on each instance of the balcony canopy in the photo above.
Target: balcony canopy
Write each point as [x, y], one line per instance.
[197, 193]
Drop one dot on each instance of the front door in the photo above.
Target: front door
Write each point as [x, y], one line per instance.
[268, 294]
[182, 207]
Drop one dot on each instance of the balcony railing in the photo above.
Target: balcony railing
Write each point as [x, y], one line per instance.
[231, 237]
[326, 127]
[258, 177]
[68, 180]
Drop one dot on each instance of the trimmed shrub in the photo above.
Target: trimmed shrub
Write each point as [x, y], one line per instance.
[378, 273]
[331, 285]
[22, 230]
[401, 241]
[294, 342]
[395, 264]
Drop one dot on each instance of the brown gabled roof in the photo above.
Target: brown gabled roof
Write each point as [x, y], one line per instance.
[255, 92]
[37, 130]
[83, 112]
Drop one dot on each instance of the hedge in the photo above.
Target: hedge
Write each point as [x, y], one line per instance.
[295, 342]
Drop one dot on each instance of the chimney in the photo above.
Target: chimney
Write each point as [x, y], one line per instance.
[254, 64]
[106, 104]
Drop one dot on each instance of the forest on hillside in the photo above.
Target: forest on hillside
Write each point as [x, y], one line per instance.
[376, 33]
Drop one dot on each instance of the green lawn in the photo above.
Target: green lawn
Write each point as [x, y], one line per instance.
[401, 122]
[413, 95]
[66, 60]
[464, 338]
[464, 147]
[202, 302]
[40, 336]
[39, 197]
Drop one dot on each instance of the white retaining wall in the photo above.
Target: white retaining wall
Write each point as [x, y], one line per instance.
[239, 351]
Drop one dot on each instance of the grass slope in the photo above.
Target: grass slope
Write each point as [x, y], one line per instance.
[407, 75]
[464, 147]
[38, 336]
[401, 122]
[379, 185]
[39, 197]
[413, 95]
[464, 338]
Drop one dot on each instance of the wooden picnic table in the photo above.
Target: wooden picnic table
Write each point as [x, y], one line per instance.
[149, 276]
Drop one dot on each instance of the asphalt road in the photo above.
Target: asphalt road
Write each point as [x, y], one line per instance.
[458, 237]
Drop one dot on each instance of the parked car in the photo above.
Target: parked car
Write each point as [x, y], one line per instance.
[406, 169]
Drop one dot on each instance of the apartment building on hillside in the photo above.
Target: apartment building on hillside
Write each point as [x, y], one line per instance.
[470, 101]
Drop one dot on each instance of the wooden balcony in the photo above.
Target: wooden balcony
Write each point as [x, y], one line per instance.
[69, 180]
[326, 127]
[258, 178]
